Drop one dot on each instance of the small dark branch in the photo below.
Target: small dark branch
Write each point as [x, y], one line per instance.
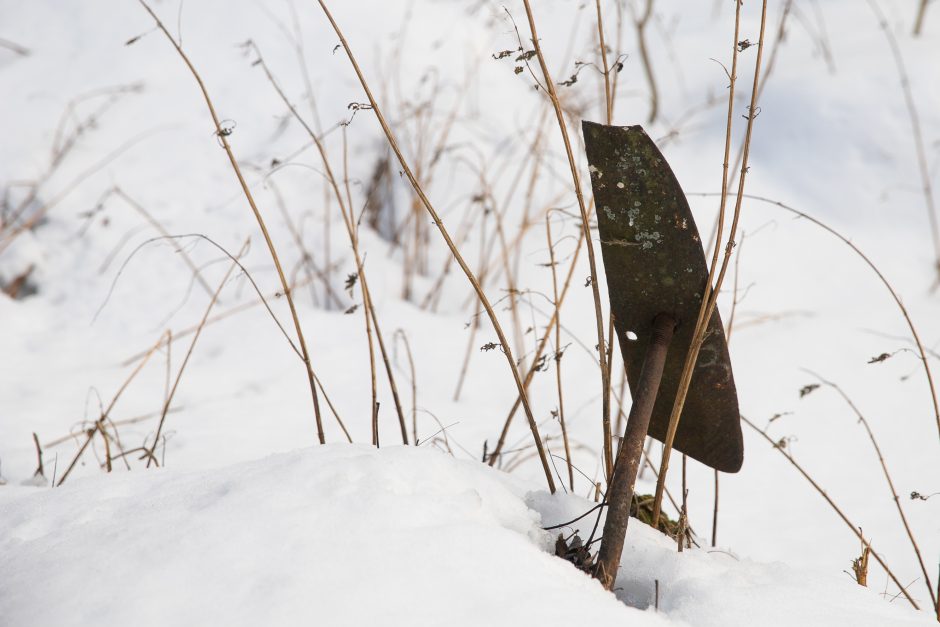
[574, 520]
[39, 469]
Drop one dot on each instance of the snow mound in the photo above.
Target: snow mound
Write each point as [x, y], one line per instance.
[351, 535]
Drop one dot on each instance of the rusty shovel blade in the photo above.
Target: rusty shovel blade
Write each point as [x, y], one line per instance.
[655, 263]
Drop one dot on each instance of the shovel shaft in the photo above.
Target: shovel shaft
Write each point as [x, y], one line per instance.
[620, 490]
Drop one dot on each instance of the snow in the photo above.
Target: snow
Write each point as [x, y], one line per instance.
[241, 527]
[351, 535]
[339, 535]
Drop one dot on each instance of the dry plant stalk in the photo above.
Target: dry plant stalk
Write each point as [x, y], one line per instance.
[640, 21]
[890, 482]
[921, 351]
[782, 449]
[139, 208]
[768, 69]
[543, 343]
[419, 191]
[90, 433]
[171, 338]
[40, 472]
[475, 322]
[710, 297]
[916, 131]
[414, 384]
[715, 514]
[558, 350]
[192, 345]
[222, 135]
[608, 98]
[310, 267]
[586, 228]
[353, 232]
[10, 234]
[919, 20]
[728, 329]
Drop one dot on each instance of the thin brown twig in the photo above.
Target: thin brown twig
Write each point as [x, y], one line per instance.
[919, 20]
[640, 22]
[734, 297]
[139, 208]
[90, 433]
[222, 136]
[39, 469]
[608, 97]
[37, 216]
[419, 191]
[414, 384]
[709, 303]
[475, 322]
[585, 226]
[729, 328]
[884, 469]
[543, 343]
[192, 345]
[916, 131]
[767, 70]
[558, 350]
[922, 353]
[352, 231]
[782, 450]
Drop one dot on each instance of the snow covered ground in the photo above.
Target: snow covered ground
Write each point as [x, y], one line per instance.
[347, 535]
[246, 523]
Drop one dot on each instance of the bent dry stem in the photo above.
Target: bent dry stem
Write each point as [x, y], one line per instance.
[710, 296]
[222, 136]
[419, 191]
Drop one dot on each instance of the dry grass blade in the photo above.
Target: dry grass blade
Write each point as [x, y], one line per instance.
[559, 352]
[414, 384]
[139, 208]
[222, 135]
[585, 226]
[419, 191]
[351, 229]
[192, 345]
[539, 351]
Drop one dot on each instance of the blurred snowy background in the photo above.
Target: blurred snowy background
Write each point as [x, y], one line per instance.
[105, 146]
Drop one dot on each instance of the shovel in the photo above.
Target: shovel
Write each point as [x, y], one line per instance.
[656, 278]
